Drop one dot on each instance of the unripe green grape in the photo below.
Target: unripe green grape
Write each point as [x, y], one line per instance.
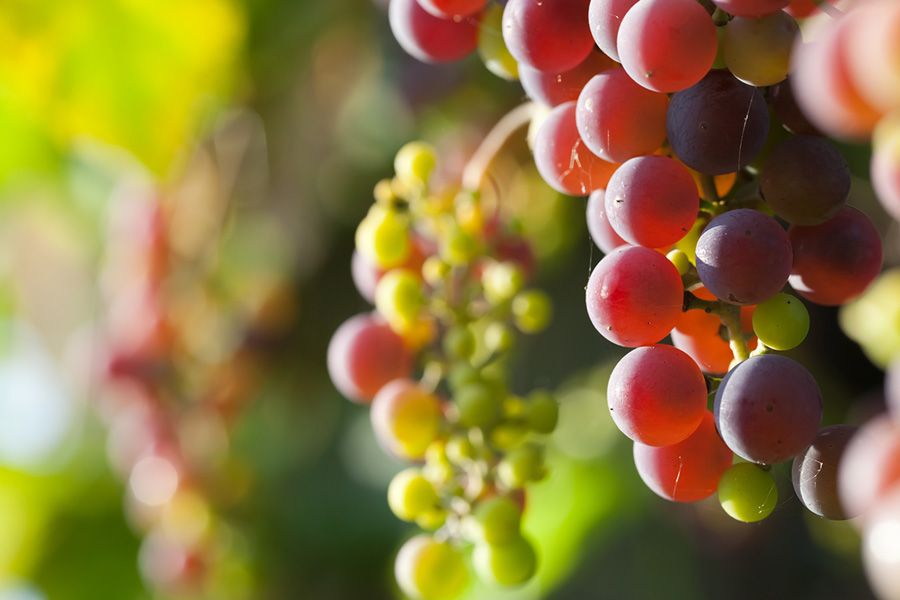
[758, 51]
[478, 405]
[507, 436]
[460, 450]
[494, 521]
[433, 519]
[680, 260]
[459, 342]
[506, 565]
[462, 374]
[384, 192]
[688, 244]
[492, 48]
[781, 322]
[427, 569]
[458, 247]
[494, 376]
[501, 281]
[434, 270]
[382, 237]
[499, 337]
[532, 311]
[521, 465]
[747, 493]
[410, 495]
[543, 412]
[438, 468]
[414, 164]
[399, 299]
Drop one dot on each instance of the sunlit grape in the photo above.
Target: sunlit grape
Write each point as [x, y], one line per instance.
[747, 493]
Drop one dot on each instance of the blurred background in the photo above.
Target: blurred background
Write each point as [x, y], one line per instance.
[179, 187]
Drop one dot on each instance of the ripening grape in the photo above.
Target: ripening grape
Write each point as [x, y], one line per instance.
[805, 180]
[507, 565]
[784, 105]
[598, 225]
[543, 412]
[719, 125]
[498, 337]
[652, 201]
[823, 87]
[634, 296]
[781, 322]
[452, 8]
[478, 405]
[873, 54]
[687, 471]
[667, 45]
[835, 261]
[815, 472]
[605, 18]
[744, 257]
[414, 164]
[768, 409]
[886, 163]
[427, 569]
[501, 281]
[758, 50]
[619, 119]
[747, 493]
[430, 38]
[364, 354]
[554, 89]
[410, 495]
[688, 244]
[751, 8]
[382, 237]
[563, 159]
[399, 299]
[520, 466]
[869, 466]
[702, 336]
[657, 395]
[365, 276]
[532, 311]
[492, 48]
[406, 418]
[547, 35]
[459, 342]
[495, 521]
[881, 547]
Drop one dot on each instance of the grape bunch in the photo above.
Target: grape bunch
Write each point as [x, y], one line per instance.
[447, 273]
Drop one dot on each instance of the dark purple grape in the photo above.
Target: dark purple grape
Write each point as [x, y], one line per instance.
[815, 472]
[718, 125]
[768, 409]
[785, 106]
[744, 257]
[805, 180]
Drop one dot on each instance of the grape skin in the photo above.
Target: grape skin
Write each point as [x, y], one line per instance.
[815, 472]
[835, 261]
[768, 409]
[758, 50]
[719, 125]
[657, 395]
[687, 471]
[430, 38]
[363, 355]
[634, 296]
[547, 35]
[744, 257]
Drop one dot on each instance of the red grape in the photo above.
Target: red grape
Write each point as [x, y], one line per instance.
[870, 466]
[700, 335]
[430, 38]
[598, 225]
[835, 261]
[453, 8]
[657, 395]
[687, 471]
[553, 89]
[605, 17]
[547, 35]
[619, 119]
[634, 296]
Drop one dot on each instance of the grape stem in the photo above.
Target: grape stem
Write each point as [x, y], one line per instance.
[476, 169]
[729, 314]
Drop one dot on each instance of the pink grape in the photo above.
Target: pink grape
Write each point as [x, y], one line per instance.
[605, 17]
[430, 38]
[870, 466]
[406, 418]
[547, 35]
[598, 225]
[553, 89]
[634, 296]
[453, 8]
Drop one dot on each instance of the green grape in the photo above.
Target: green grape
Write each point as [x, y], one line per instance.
[507, 436]
[384, 193]
[781, 322]
[758, 51]
[410, 495]
[499, 337]
[427, 569]
[747, 493]
[438, 468]
[521, 465]
[532, 311]
[478, 405]
[543, 412]
[494, 521]
[462, 374]
[688, 244]
[458, 247]
[460, 450]
[432, 520]
[502, 281]
[434, 270]
[506, 565]
[459, 342]
[399, 299]
[414, 164]
[382, 237]
[680, 260]
[492, 48]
